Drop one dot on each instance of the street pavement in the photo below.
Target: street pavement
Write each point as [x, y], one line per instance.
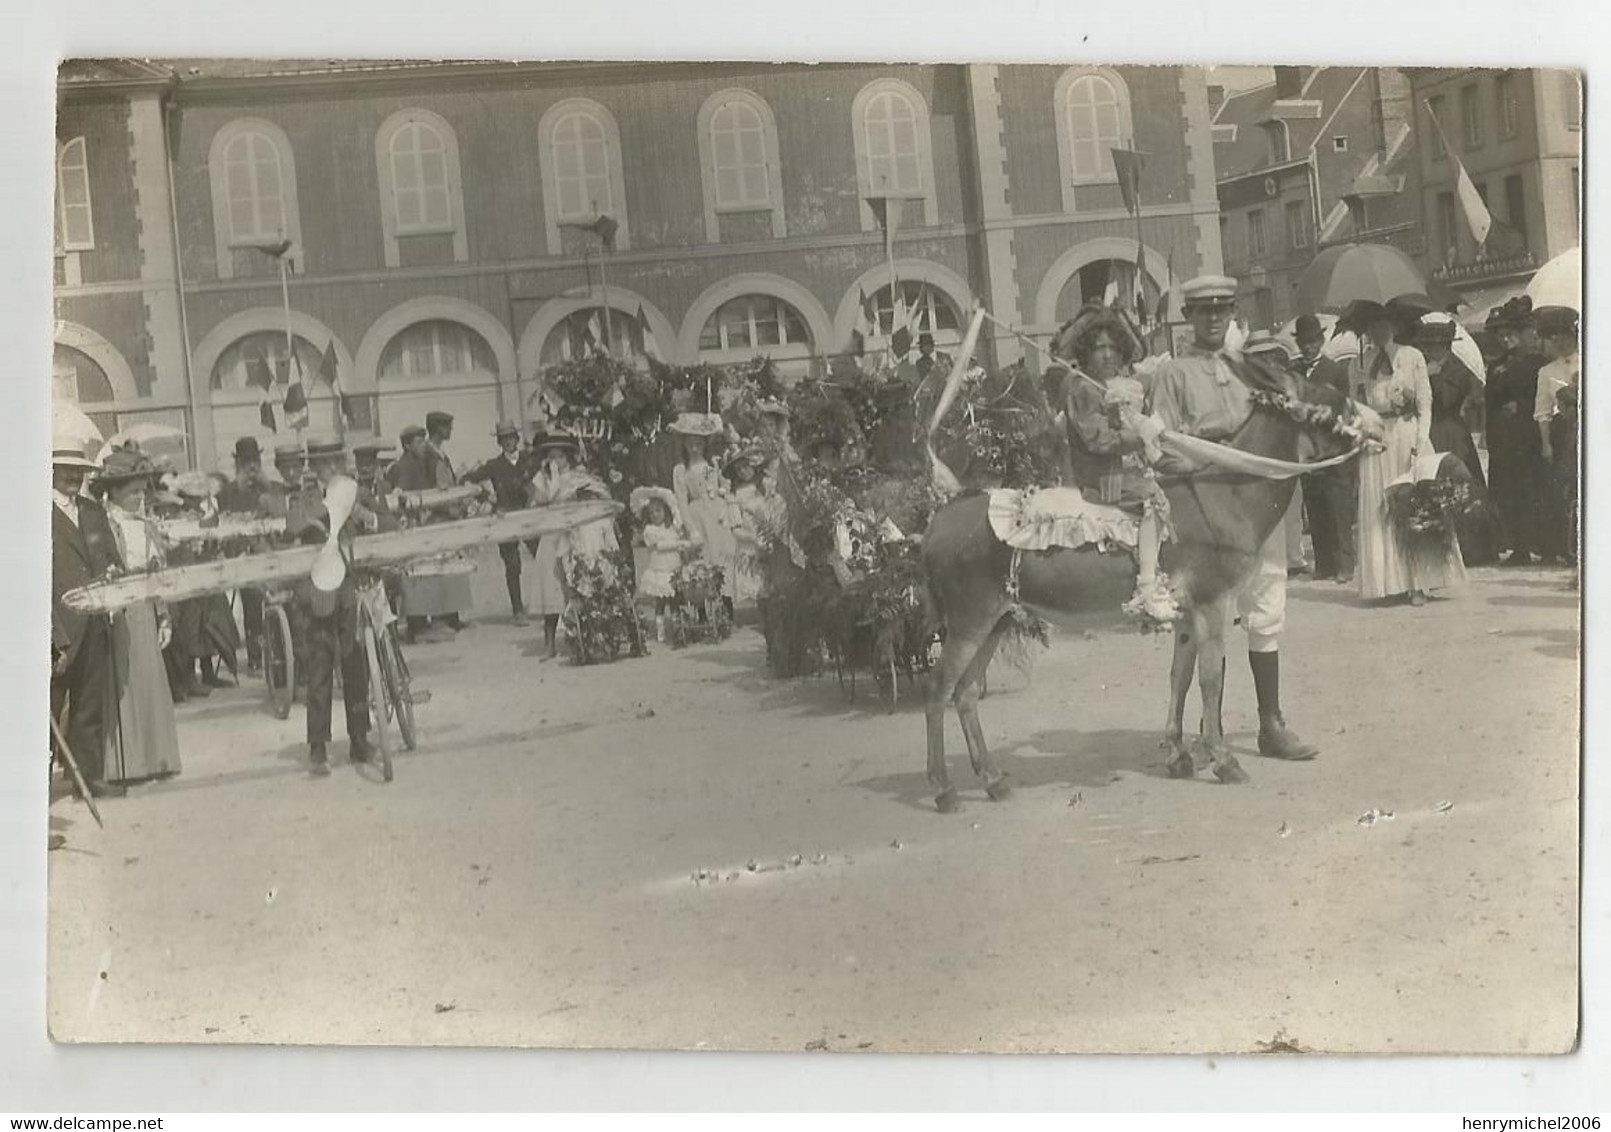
[678, 851]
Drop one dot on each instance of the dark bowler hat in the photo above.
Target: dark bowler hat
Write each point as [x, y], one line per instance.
[506, 428]
[288, 452]
[436, 418]
[247, 450]
[410, 433]
[1307, 328]
[925, 339]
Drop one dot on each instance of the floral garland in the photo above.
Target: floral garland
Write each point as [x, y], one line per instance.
[697, 582]
[1425, 514]
[1307, 413]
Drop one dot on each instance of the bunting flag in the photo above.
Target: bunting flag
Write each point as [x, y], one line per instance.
[887, 211]
[863, 328]
[1127, 163]
[265, 414]
[593, 340]
[259, 374]
[900, 343]
[651, 345]
[1110, 293]
[1140, 287]
[296, 398]
[330, 372]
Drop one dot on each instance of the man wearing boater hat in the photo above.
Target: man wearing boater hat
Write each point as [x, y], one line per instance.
[83, 550]
[244, 495]
[1199, 393]
[509, 473]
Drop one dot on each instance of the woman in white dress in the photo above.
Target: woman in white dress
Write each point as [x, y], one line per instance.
[1392, 379]
[745, 513]
[558, 481]
[702, 496]
[141, 736]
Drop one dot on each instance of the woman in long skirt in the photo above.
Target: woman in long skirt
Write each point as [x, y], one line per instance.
[1392, 380]
[141, 737]
[702, 496]
[1457, 406]
[558, 481]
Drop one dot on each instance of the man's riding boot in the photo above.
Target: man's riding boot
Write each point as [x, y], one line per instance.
[1278, 741]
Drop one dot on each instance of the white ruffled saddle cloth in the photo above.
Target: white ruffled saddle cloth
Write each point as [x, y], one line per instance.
[1041, 518]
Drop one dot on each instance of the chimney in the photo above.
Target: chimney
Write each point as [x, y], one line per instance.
[1216, 99]
[1289, 81]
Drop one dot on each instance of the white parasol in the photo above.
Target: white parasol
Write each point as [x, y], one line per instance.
[70, 428]
[146, 435]
[1559, 283]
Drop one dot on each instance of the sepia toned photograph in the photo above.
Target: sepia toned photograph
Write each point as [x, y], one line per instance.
[843, 557]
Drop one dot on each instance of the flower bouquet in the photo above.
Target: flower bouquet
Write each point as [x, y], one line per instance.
[697, 582]
[1426, 504]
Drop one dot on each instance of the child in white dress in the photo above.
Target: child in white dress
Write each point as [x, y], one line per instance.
[665, 541]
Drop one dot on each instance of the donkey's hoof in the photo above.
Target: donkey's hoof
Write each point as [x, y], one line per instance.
[947, 802]
[1180, 764]
[999, 790]
[1230, 772]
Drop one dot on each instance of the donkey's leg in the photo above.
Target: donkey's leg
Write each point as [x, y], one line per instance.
[1181, 668]
[967, 699]
[1211, 683]
[955, 656]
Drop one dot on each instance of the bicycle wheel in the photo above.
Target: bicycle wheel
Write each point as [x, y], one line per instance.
[279, 660]
[379, 693]
[395, 670]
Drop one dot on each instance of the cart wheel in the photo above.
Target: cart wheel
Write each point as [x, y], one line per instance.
[395, 669]
[279, 661]
[380, 708]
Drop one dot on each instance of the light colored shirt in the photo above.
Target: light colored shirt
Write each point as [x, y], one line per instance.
[1553, 378]
[67, 504]
[1402, 388]
[1198, 394]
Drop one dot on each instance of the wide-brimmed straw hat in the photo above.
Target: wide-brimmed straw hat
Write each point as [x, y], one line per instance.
[123, 465]
[563, 440]
[749, 454]
[644, 495]
[706, 425]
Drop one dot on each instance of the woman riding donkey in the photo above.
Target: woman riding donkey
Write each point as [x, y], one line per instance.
[1107, 456]
[1232, 436]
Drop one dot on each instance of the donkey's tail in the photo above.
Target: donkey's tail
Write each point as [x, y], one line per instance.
[945, 479]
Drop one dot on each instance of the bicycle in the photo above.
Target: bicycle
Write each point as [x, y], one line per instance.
[391, 698]
[278, 650]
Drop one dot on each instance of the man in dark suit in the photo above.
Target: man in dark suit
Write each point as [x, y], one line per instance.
[510, 474]
[83, 550]
[1332, 497]
[244, 495]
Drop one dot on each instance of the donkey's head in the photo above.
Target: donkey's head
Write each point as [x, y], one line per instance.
[1295, 418]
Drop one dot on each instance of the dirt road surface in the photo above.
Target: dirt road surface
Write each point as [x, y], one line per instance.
[532, 877]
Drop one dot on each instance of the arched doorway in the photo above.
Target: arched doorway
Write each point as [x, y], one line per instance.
[441, 365]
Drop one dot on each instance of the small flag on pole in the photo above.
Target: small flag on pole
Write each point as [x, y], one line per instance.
[265, 414]
[296, 398]
[863, 328]
[259, 374]
[1141, 274]
[1127, 163]
[593, 342]
[330, 372]
[651, 345]
[1478, 218]
[605, 228]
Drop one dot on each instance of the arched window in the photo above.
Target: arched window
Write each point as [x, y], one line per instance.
[77, 224]
[255, 189]
[894, 149]
[919, 307]
[437, 347]
[417, 159]
[584, 332]
[236, 366]
[419, 179]
[79, 378]
[754, 322]
[738, 151]
[1093, 119]
[890, 126]
[253, 179]
[581, 167]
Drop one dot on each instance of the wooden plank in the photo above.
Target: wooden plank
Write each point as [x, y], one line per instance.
[392, 548]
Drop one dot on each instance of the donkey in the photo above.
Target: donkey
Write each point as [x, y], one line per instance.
[1221, 521]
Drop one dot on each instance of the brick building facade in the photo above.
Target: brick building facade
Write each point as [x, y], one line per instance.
[438, 216]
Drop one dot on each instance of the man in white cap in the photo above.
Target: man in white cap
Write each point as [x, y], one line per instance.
[83, 550]
[1198, 393]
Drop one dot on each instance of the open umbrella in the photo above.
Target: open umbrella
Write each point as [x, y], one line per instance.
[1373, 272]
[147, 435]
[1559, 283]
[69, 427]
[1464, 347]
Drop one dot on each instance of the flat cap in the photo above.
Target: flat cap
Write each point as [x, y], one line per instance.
[410, 432]
[437, 417]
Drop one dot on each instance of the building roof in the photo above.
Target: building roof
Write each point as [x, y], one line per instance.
[1382, 184]
[1247, 149]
